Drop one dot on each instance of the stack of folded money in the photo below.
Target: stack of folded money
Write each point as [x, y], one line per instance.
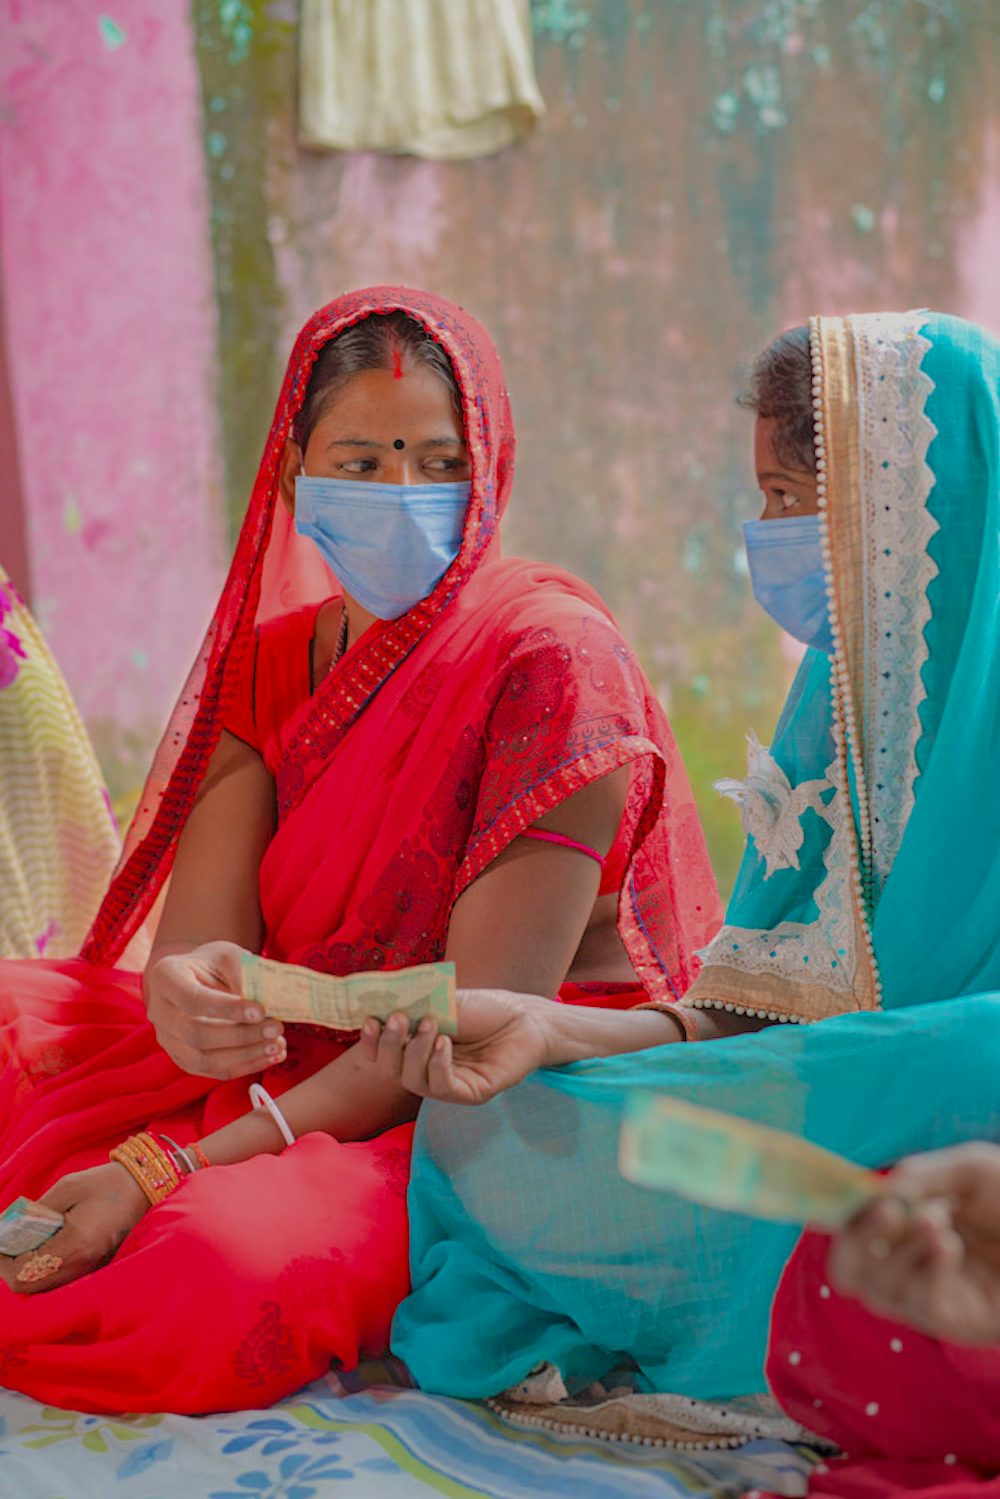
[25, 1225]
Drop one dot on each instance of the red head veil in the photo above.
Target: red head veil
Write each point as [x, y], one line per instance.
[274, 571]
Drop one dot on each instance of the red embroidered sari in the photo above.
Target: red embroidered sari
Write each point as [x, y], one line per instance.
[433, 743]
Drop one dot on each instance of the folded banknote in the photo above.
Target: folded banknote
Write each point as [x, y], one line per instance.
[287, 992]
[734, 1164]
[26, 1224]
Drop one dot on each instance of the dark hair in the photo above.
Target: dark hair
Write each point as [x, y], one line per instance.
[779, 384]
[382, 341]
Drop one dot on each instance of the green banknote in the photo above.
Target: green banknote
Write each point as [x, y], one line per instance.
[287, 992]
[26, 1224]
[731, 1163]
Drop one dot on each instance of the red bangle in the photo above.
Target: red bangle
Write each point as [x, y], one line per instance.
[199, 1155]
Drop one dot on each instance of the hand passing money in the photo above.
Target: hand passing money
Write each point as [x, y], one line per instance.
[739, 1166]
[287, 992]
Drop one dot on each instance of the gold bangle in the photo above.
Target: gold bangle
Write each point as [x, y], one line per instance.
[684, 1018]
[149, 1166]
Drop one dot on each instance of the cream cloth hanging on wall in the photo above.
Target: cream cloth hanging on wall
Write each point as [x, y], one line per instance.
[448, 79]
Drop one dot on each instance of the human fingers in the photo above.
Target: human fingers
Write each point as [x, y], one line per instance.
[191, 985]
[220, 1035]
[390, 1045]
[897, 1284]
[446, 1084]
[226, 1063]
[65, 1256]
[416, 1056]
[175, 1012]
[222, 963]
[43, 1269]
[369, 1038]
[967, 1175]
[869, 1237]
[40, 1269]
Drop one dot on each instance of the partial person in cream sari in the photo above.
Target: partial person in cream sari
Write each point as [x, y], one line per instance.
[868, 899]
[58, 838]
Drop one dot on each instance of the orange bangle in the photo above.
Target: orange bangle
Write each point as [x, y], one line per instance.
[149, 1166]
[684, 1018]
[199, 1155]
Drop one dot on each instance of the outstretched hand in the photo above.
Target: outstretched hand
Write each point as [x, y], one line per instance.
[195, 1004]
[101, 1206]
[931, 1256]
[501, 1038]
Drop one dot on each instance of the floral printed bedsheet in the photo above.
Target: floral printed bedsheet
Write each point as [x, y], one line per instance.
[358, 1438]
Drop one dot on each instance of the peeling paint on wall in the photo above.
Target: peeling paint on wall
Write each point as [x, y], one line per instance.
[707, 174]
[111, 344]
[246, 62]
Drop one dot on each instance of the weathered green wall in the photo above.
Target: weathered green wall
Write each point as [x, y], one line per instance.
[709, 171]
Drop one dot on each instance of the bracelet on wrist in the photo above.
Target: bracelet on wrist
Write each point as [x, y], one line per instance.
[260, 1098]
[149, 1165]
[181, 1155]
[157, 1164]
[686, 1020]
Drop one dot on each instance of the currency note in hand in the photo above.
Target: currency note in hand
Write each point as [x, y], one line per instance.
[287, 992]
[26, 1224]
[734, 1164]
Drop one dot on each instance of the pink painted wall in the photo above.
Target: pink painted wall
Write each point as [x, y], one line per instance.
[706, 173]
[111, 326]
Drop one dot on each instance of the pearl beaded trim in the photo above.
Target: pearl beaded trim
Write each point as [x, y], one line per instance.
[845, 725]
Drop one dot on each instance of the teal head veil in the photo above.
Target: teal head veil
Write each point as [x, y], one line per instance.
[872, 867]
[870, 887]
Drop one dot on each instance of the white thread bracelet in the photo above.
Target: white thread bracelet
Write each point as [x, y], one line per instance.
[261, 1099]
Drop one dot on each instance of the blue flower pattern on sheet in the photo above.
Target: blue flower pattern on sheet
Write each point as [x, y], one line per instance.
[362, 1437]
[297, 1478]
[272, 1435]
[141, 1458]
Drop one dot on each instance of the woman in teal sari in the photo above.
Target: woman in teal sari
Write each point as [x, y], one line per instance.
[868, 898]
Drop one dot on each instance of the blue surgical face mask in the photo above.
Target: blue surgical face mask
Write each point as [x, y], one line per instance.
[788, 578]
[387, 544]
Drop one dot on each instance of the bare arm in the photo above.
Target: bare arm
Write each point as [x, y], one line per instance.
[346, 1099]
[519, 924]
[214, 893]
[212, 913]
[513, 936]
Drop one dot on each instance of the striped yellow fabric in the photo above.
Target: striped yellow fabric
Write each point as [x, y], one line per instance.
[58, 841]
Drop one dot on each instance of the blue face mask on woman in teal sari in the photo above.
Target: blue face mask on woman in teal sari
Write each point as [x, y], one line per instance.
[788, 578]
[868, 899]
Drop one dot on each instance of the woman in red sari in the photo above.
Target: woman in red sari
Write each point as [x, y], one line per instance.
[443, 755]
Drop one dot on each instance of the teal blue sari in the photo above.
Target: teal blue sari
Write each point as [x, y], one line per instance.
[868, 900]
